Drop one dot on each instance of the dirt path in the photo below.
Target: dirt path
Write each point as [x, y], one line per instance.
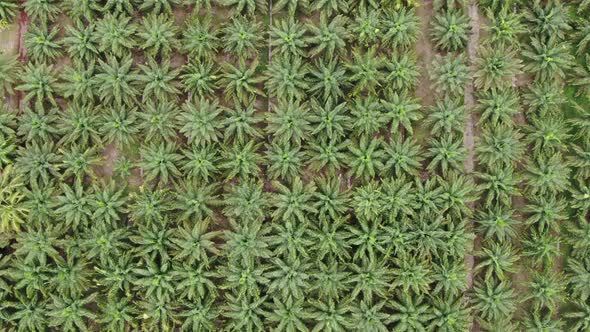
[425, 53]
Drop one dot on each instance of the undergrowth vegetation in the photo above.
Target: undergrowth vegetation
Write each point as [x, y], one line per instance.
[321, 165]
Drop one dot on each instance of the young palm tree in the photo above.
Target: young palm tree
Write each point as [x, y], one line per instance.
[159, 6]
[158, 122]
[289, 121]
[328, 79]
[328, 38]
[200, 163]
[289, 314]
[119, 7]
[108, 202]
[401, 27]
[249, 7]
[38, 161]
[81, 42]
[499, 185]
[196, 202]
[447, 154]
[240, 82]
[450, 30]
[411, 274]
[245, 201]
[8, 9]
[285, 161]
[78, 162]
[411, 313]
[547, 133]
[497, 222]
[241, 123]
[9, 70]
[73, 205]
[494, 300]
[80, 125]
[447, 117]
[367, 118]
[329, 155]
[116, 35]
[542, 248]
[119, 127]
[286, 78]
[160, 162]
[331, 315]
[547, 59]
[71, 313]
[496, 68]
[117, 81]
[43, 10]
[39, 125]
[160, 80]
[201, 122]
[14, 212]
[158, 35]
[329, 6]
[498, 106]
[581, 39]
[243, 37]
[365, 158]
[42, 43]
[544, 97]
[403, 157]
[331, 201]
[449, 75]
[292, 6]
[500, 144]
[549, 20]
[244, 313]
[546, 290]
[78, 82]
[329, 121]
[403, 72]
[287, 38]
[199, 39]
[366, 26]
[581, 78]
[365, 70]
[293, 202]
[547, 175]
[402, 111]
[241, 161]
[149, 206]
[505, 27]
[199, 79]
[39, 83]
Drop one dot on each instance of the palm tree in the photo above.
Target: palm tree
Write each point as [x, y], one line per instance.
[329, 6]
[545, 212]
[158, 35]
[249, 7]
[328, 38]
[199, 39]
[71, 313]
[292, 6]
[450, 313]
[119, 7]
[403, 157]
[38, 161]
[505, 27]
[494, 300]
[365, 158]
[544, 97]
[498, 185]
[43, 10]
[500, 144]
[402, 110]
[411, 274]
[8, 10]
[539, 321]
[447, 154]
[108, 202]
[581, 78]
[116, 35]
[327, 154]
[246, 201]
[331, 201]
[547, 133]
[39, 82]
[581, 39]
[329, 121]
[120, 127]
[201, 123]
[81, 42]
[78, 162]
[13, 211]
[403, 72]
[241, 123]
[447, 117]
[242, 37]
[9, 70]
[160, 80]
[80, 125]
[149, 206]
[497, 222]
[289, 278]
[286, 78]
[289, 121]
[159, 6]
[450, 30]
[542, 248]
[293, 202]
[42, 43]
[546, 290]
[39, 125]
[328, 79]
[285, 160]
[241, 161]
[289, 314]
[199, 79]
[196, 203]
[547, 175]
[366, 26]
[158, 122]
[160, 162]
[200, 163]
[366, 116]
[411, 312]
[549, 20]
[240, 82]
[74, 206]
[449, 75]
[365, 70]
[117, 81]
[496, 68]
[498, 106]
[78, 82]
[371, 278]
[547, 59]
[244, 313]
[401, 27]
[287, 38]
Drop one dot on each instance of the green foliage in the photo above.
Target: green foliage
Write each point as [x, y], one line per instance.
[450, 30]
[42, 44]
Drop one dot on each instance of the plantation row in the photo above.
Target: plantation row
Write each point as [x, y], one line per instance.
[296, 166]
